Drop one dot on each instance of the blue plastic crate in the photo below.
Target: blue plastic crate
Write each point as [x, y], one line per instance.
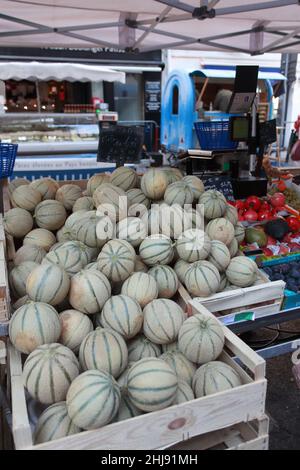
[214, 135]
[8, 154]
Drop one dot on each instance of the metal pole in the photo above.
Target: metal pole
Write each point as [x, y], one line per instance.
[38, 97]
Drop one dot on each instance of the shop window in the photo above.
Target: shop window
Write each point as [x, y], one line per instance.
[175, 101]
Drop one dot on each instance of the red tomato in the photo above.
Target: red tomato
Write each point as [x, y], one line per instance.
[293, 223]
[278, 200]
[239, 205]
[253, 202]
[264, 215]
[265, 206]
[250, 215]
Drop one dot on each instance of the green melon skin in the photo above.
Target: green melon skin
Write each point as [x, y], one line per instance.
[253, 235]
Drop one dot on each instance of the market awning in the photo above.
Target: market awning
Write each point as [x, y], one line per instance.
[44, 71]
[254, 27]
[230, 73]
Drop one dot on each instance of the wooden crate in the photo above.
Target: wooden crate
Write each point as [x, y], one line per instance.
[6, 442]
[162, 428]
[4, 290]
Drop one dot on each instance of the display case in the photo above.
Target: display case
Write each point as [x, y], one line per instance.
[50, 133]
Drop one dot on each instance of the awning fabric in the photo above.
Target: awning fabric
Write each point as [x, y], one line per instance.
[228, 73]
[58, 71]
[253, 26]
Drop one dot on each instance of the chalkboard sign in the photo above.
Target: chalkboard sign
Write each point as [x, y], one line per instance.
[220, 183]
[120, 144]
[152, 95]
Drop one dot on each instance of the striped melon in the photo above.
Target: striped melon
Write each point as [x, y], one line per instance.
[122, 379]
[174, 220]
[34, 324]
[180, 269]
[49, 371]
[201, 339]
[15, 183]
[116, 260]
[193, 245]
[239, 232]
[20, 302]
[47, 187]
[77, 247]
[50, 215]
[75, 326]
[183, 368]
[89, 291]
[112, 201]
[95, 181]
[231, 214]
[131, 229]
[40, 237]
[69, 260]
[139, 266]
[170, 347]
[74, 218]
[156, 249]
[166, 279]
[220, 229]
[54, 423]
[179, 193]
[142, 287]
[123, 315]
[214, 204]
[195, 184]
[184, 393]
[127, 409]
[233, 248]
[18, 222]
[219, 255]
[152, 384]
[163, 319]
[68, 194]
[84, 203]
[202, 279]
[151, 219]
[48, 283]
[64, 234]
[29, 253]
[104, 349]
[242, 271]
[93, 265]
[154, 183]
[173, 174]
[141, 347]
[25, 197]
[137, 210]
[136, 196]
[223, 283]
[93, 399]
[93, 230]
[18, 277]
[124, 177]
[214, 377]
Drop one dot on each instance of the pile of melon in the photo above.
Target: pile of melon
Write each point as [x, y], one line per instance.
[93, 285]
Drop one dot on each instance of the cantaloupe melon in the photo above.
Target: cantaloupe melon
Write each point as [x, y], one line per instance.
[242, 271]
[93, 230]
[163, 319]
[15, 183]
[127, 409]
[67, 258]
[104, 349]
[179, 193]
[220, 229]
[136, 196]
[54, 423]
[154, 183]
[239, 232]
[233, 248]
[173, 174]
[64, 234]
[151, 384]
[20, 302]
[112, 201]
[93, 399]
[170, 347]
[214, 204]
[40, 237]
[93, 265]
[202, 279]
[49, 371]
[184, 393]
[48, 283]
[75, 326]
[180, 269]
[123, 315]
[142, 287]
[68, 194]
[74, 218]
[201, 339]
[50, 215]
[17, 222]
[89, 291]
[231, 214]
[75, 246]
[25, 197]
[140, 347]
[29, 253]
[139, 266]
[95, 181]
[18, 277]
[183, 368]
[166, 279]
[151, 219]
[124, 177]
[131, 229]
[195, 184]
[219, 255]
[174, 220]
[193, 245]
[84, 203]
[223, 283]
[156, 249]
[116, 260]
[137, 210]
[47, 187]
[34, 324]
[214, 377]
